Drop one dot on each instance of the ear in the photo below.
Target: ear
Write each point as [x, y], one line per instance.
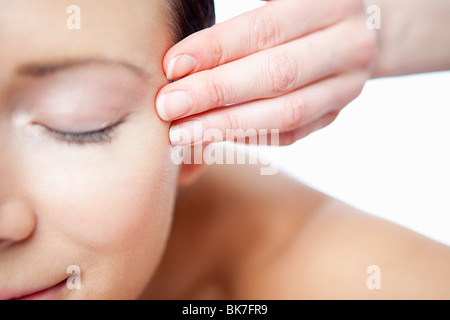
[189, 173]
[192, 166]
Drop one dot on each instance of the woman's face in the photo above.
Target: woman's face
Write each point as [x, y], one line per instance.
[86, 178]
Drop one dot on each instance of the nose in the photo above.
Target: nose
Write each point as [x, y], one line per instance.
[17, 221]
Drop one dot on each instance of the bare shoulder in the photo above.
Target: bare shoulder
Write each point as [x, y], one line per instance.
[240, 235]
[338, 252]
[230, 218]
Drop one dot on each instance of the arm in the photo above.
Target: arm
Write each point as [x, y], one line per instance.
[414, 36]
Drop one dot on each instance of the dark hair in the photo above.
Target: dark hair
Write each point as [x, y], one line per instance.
[189, 16]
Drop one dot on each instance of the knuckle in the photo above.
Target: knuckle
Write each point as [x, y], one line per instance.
[353, 6]
[334, 115]
[290, 138]
[266, 33]
[217, 50]
[355, 88]
[330, 118]
[215, 91]
[366, 47]
[292, 114]
[282, 75]
[360, 83]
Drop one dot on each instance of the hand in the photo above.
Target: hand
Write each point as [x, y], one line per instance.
[290, 65]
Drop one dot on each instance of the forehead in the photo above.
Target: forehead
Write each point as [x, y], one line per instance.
[134, 31]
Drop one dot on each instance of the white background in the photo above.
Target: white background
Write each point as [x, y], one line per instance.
[387, 154]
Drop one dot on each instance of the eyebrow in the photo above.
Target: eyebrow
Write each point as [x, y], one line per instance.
[38, 70]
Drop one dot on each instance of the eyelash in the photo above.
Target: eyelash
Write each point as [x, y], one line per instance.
[94, 137]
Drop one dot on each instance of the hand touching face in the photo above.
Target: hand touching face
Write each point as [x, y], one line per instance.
[291, 65]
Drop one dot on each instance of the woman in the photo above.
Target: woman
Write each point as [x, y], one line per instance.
[88, 183]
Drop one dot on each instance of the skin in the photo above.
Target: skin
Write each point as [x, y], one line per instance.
[104, 207]
[303, 87]
[426, 47]
[270, 237]
[137, 225]
[294, 69]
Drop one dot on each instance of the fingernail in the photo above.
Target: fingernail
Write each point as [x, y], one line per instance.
[181, 66]
[173, 105]
[187, 133]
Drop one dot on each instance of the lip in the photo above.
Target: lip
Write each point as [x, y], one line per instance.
[50, 293]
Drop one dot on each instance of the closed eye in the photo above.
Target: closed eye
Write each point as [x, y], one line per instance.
[102, 136]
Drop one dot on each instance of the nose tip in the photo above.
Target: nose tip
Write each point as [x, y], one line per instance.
[17, 221]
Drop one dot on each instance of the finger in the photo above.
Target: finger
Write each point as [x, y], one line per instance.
[266, 74]
[289, 138]
[266, 137]
[286, 113]
[275, 23]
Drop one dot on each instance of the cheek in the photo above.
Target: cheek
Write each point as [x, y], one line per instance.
[100, 195]
[106, 201]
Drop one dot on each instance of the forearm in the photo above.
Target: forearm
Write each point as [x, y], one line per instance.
[414, 36]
